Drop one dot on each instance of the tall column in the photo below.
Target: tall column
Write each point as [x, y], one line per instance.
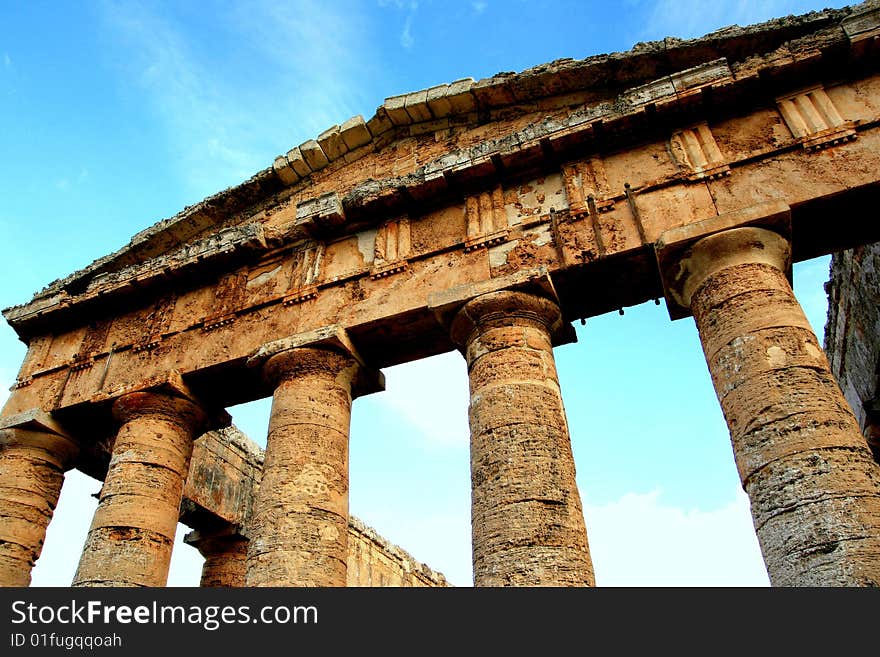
[527, 521]
[813, 485]
[225, 553]
[32, 466]
[299, 529]
[132, 533]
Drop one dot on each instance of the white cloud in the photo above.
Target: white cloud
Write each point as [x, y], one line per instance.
[693, 18]
[410, 6]
[479, 7]
[406, 37]
[7, 60]
[639, 541]
[432, 394]
[224, 128]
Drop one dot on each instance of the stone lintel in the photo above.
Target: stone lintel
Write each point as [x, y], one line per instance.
[38, 429]
[672, 245]
[333, 337]
[172, 384]
[446, 303]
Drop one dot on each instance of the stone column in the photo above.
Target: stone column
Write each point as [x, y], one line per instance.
[299, 529]
[32, 466]
[225, 555]
[527, 521]
[813, 485]
[132, 533]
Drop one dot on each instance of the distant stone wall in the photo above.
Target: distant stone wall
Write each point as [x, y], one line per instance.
[373, 561]
[852, 334]
[224, 476]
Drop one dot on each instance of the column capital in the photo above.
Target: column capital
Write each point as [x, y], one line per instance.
[166, 394]
[495, 309]
[326, 350]
[689, 254]
[207, 541]
[181, 410]
[37, 429]
[737, 246]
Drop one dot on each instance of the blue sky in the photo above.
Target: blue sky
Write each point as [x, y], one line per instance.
[118, 114]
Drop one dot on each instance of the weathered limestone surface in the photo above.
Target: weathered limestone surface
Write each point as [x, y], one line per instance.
[813, 486]
[373, 561]
[852, 334]
[299, 531]
[571, 169]
[527, 520]
[132, 533]
[223, 480]
[32, 466]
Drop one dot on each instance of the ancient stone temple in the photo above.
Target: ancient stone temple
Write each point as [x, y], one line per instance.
[484, 217]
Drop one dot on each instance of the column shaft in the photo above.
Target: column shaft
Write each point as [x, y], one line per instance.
[299, 530]
[527, 520]
[813, 485]
[132, 534]
[32, 465]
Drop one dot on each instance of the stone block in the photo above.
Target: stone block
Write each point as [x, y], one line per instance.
[354, 132]
[332, 144]
[380, 123]
[284, 171]
[297, 162]
[395, 106]
[314, 155]
[438, 102]
[416, 105]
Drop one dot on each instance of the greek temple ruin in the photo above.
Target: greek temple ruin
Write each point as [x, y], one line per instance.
[485, 217]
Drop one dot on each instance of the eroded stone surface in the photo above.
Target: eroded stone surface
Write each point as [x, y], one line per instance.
[299, 531]
[813, 486]
[852, 334]
[132, 534]
[527, 520]
[32, 466]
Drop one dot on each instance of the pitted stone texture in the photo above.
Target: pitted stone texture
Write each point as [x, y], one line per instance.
[32, 466]
[225, 560]
[132, 533]
[299, 530]
[813, 485]
[527, 519]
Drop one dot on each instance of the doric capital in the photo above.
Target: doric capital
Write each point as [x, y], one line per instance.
[176, 409]
[304, 361]
[504, 308]
[37, 429]
[738, 246]
[327, 350]
[689, 254]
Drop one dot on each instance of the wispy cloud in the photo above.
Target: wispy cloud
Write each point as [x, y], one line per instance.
[688, 547]
[7, 61]
[65, 183]
[406, 37]
[693, 18]
[307, 62]
[407, 40]
[479, 7]
[441, 416]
